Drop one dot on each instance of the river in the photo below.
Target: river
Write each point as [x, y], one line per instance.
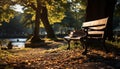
[16, 42]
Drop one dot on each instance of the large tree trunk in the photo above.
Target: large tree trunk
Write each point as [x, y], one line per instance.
[48, 28]
[97, 9]
[36, 37]
[109, 12]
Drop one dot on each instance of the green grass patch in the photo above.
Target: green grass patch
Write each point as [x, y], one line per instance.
[115, 43]
[73, 45]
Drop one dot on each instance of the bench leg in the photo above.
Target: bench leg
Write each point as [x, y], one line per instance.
[103, 41]
[84, 44]
[68, 48]
[85, 50]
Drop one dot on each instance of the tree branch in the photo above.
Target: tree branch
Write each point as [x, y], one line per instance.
[32, 6]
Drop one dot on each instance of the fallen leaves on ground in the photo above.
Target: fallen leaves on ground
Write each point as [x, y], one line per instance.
[37, 58]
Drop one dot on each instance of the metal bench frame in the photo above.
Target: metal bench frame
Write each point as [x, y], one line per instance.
[94, 30]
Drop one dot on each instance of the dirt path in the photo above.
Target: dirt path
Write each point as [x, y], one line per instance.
[55, 58]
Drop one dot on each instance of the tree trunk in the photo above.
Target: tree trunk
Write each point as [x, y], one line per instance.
[97, 9]
[109, 12]
[36, 37]
[48, 28]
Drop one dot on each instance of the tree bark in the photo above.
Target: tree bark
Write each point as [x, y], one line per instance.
[97, 9]
[109, 12]
[48, 28]
[36, 37]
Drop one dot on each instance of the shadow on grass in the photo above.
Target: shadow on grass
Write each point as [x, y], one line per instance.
[48, 44]
[110, 62]
[111, 47]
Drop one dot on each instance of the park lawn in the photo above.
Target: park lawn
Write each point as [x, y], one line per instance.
[57, 57]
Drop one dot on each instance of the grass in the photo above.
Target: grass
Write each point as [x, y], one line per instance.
[8, 53]
[116, 44]
[54, 56]
[73, 45]
[112, 46]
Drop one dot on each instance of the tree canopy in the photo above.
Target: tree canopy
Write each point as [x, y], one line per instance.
[5, 12]
[51, 11]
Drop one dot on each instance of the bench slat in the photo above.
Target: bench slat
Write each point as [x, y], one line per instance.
[97, 28]
[95, 23]
[95, 32]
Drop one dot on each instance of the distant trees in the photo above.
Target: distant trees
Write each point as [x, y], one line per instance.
[39, 10]
[5, 12]
[117, 15]
[117, 8]
[74, 14]
[44, 9]
[13, 29]
[66, 12]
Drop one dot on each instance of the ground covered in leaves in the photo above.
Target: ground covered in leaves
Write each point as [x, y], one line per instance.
[56, 57]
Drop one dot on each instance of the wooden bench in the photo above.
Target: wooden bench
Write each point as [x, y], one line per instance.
[92, 30]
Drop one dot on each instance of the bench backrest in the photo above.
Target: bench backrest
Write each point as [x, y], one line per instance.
[95, 28]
